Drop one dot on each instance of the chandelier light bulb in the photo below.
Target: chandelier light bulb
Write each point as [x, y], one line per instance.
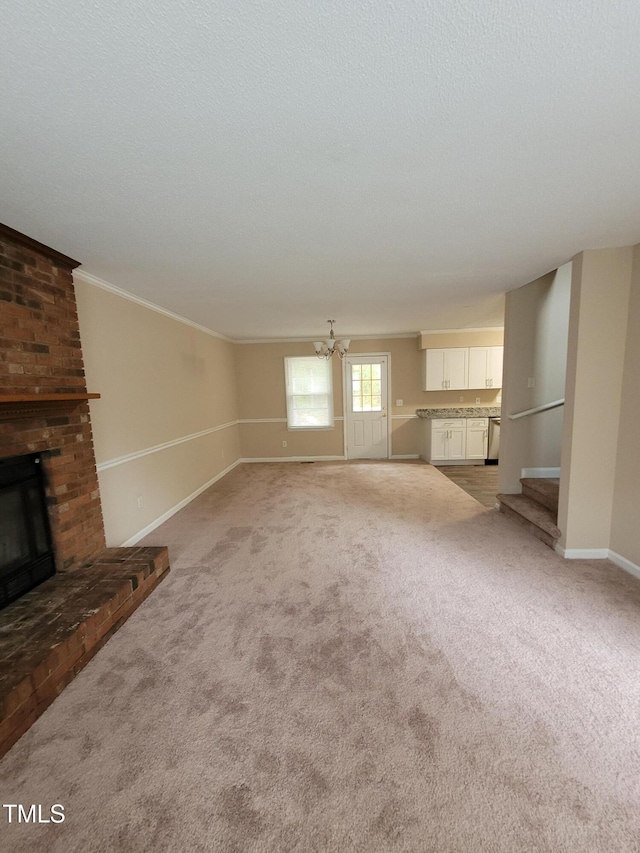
[326, 349]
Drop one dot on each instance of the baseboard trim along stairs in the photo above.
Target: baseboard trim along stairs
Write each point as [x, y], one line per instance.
[536, 508]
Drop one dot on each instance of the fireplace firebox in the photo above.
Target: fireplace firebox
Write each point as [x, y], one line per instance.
[26, 551]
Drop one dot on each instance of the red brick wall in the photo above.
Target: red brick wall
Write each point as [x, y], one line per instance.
[40, 353]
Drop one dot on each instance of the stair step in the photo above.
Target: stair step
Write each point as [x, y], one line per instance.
[538, 519]
[544, 490]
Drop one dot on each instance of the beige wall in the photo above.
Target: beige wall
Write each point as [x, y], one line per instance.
[600, 289]
[261, 390]
[262, 395]
[461, 338]
[160, 380]
[536, 335]
[625, 524]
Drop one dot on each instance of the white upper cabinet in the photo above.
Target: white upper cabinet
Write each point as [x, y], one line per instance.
[446, 369]
[485, 367]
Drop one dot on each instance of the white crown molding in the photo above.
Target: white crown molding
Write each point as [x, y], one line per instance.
[88, 278]
[118, 291]
[462, 331]
[129, 457]
[340, 337]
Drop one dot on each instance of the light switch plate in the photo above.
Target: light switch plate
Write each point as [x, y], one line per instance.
[399, 402]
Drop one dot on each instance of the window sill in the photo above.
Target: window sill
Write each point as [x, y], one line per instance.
[310, 429]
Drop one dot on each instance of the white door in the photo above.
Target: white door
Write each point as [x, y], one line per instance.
[367, 424]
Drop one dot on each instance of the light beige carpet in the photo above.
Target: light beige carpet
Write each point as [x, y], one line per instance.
[349, 657]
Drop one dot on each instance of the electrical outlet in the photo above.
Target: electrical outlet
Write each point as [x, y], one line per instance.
[477, 401]
[462, 399]
[284, 443]
[531, 382]
[140, 502]
[399, 402]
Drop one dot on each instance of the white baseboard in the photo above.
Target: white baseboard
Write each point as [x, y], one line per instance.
[553, 473]
[625, 564]
[295, 459]
[600, 554]
[174, 509]
[444, 463]
[583, 553]
[406, 455]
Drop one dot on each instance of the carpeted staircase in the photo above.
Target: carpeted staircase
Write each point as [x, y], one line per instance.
[536, 508]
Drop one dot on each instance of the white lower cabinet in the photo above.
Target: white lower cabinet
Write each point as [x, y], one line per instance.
[455, 440]
[447, 439]
[477, 438]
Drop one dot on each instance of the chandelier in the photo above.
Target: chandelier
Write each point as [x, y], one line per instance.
[326, 349]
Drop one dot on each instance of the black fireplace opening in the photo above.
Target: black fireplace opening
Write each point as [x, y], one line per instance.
[26, 550]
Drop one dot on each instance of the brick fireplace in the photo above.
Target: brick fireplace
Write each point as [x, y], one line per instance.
[51, 632]
[41, 355]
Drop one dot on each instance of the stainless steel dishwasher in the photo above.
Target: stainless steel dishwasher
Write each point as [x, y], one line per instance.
[493, 450]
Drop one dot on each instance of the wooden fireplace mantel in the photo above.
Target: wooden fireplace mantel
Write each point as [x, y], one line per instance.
[17, 406]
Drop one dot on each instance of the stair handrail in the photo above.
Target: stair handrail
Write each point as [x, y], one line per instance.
[543, 408]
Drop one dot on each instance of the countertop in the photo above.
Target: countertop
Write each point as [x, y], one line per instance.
[461, 412]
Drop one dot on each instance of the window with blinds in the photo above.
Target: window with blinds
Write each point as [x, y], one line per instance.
[309, 392]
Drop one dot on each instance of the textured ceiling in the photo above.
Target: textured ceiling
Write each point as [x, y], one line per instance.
[261, 166]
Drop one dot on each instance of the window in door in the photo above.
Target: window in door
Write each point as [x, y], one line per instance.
[366, 387]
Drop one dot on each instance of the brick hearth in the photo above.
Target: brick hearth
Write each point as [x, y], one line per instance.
[49, 634]
[53, 631]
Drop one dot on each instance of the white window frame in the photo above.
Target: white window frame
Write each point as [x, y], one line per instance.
[321, 363]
